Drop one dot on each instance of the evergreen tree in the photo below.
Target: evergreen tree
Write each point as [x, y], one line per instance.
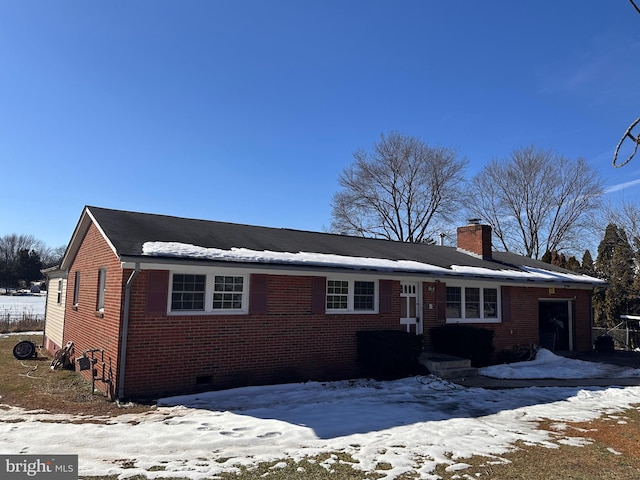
[546, 258]
[615, 264]
[587, 264]
[28, 266]
[558, 259]
[573, 264]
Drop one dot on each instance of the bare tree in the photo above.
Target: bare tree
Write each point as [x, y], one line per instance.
[633, 145]
[400, 191]
[11, 245]
[52, 256]
[536, 201]
[626, 214]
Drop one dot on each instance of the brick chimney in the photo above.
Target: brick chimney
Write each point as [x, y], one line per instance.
[475, 239]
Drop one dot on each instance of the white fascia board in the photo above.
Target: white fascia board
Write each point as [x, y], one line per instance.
[86, 219]
[146, 263]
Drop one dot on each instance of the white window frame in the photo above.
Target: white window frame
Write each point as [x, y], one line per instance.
[59, 292]
[210, 275]
[102, 287]
[76, 289]
[351, 295]
[481, 286]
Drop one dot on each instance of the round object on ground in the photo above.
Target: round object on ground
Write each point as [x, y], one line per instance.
[24, 350]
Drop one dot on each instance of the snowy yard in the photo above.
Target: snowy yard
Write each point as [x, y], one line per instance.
[411, 424]
[15, 307]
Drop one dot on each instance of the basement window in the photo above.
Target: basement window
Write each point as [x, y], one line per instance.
[472, 304]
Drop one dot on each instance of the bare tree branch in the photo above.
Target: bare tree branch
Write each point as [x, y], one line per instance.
[535, 201]
[399, 191]
[636, 143]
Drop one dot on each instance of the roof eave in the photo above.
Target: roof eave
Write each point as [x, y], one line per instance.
[158, 262]
[85, 221]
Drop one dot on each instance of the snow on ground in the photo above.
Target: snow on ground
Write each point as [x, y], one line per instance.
[413, 424]
[15, 306]
[548, 365]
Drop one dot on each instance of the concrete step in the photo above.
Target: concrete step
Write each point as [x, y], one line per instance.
[447, 366]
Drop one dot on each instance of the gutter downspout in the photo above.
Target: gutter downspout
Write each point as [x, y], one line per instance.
[122, 358]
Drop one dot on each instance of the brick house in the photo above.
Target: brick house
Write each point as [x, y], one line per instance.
[166, 305]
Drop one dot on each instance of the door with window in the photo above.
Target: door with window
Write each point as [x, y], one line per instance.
[410, 306]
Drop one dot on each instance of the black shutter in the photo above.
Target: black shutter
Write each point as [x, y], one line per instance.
[441, 302]
[506, 304]
[258, 294]
[318, 295]
[157, 291]
[386, 296]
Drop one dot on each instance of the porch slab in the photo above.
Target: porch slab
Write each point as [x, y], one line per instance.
[447, 366]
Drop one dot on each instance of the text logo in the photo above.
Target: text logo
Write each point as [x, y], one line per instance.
[39, 467]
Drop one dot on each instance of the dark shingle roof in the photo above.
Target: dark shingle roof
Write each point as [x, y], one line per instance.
[128, 231]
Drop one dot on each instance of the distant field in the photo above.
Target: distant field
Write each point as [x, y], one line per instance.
[15, 308]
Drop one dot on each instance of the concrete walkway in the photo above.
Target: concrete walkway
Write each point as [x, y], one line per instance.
[620, 358]
[500, 383]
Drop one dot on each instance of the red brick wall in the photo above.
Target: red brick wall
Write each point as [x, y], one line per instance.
[86, 328]
[521, 325]
[475, 239]
[582, 321]
[179, 354]
[169, 354]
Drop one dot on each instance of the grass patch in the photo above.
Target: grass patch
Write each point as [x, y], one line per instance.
[322, 467]
[31, 384]
[609, 450]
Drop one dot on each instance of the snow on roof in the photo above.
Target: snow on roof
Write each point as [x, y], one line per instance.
[182, 250]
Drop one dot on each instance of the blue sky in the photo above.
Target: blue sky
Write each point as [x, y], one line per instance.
[247, 111]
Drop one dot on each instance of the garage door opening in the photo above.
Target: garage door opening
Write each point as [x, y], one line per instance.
[556, 324]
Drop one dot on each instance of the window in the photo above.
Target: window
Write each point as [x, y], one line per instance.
[59, 294]
[187, 292]
[454, 302]
[351, 296]
[472, 304]
[76, 289]
[208, 293]
[102, 285]
[363, 295]
[337, 294]
[227, 292]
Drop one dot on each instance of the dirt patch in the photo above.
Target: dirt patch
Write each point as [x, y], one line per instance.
[602, 448]
[31, 384]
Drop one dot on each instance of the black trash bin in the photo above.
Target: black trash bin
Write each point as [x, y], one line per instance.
[604, 343]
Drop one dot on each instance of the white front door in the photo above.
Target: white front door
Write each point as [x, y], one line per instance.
[410, 306]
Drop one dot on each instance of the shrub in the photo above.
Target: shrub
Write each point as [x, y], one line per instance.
[26, 323]
[464, 341]
[388, 352]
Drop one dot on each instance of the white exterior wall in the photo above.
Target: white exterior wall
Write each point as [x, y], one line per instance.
[54, 314]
